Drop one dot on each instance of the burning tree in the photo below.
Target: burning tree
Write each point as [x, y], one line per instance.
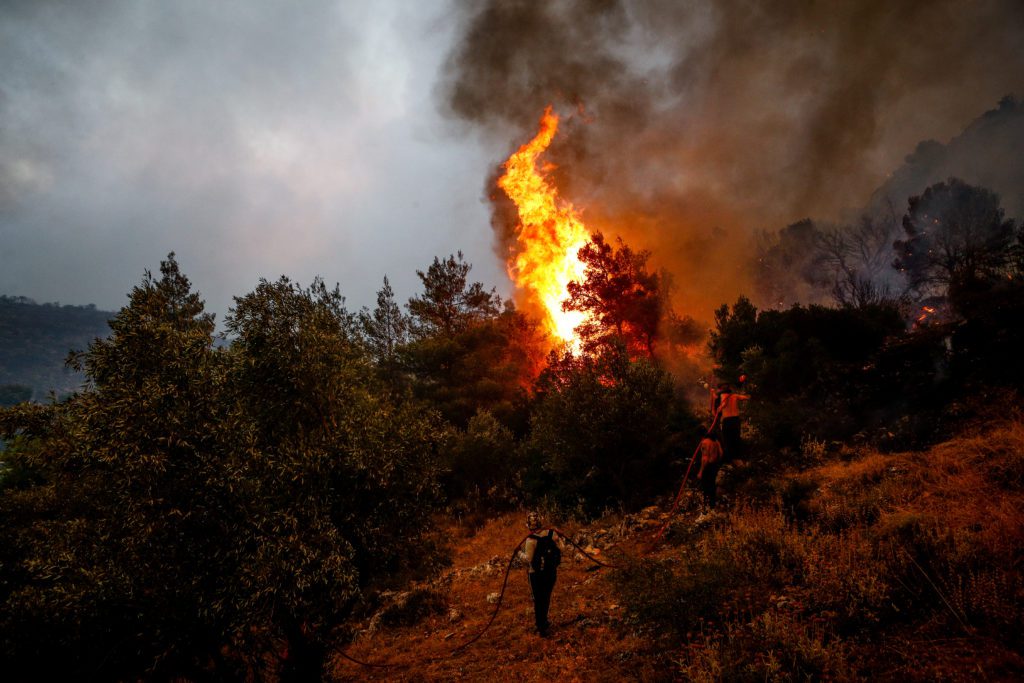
[548, 237]
[588, 290]
[960, 248]
[618, 297]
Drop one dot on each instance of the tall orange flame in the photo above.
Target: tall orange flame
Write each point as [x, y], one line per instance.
[548, 236]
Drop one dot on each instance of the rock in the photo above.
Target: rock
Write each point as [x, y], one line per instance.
[406, 608]
[485, 569]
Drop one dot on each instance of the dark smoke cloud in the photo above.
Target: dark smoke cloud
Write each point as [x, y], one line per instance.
[693, 124]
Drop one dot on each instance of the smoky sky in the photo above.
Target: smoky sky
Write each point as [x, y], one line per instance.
[690, 126]
[354, 140]
[254, 138]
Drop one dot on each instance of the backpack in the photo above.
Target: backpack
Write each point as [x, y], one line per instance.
[546, 556]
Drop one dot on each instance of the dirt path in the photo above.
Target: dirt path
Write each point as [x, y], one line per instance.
[584, 643]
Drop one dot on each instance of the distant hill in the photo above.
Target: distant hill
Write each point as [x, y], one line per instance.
[34, 342]
[986, 153]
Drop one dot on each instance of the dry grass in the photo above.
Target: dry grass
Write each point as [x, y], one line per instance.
[886, 566]
[855, 552]
[585, 643]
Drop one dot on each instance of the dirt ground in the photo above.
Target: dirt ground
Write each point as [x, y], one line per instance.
[583, 645]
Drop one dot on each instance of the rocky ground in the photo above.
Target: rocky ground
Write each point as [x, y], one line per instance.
[859, 565]
[584, 643]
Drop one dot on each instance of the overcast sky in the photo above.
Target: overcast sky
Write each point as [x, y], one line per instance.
[354, 139]
[252, 138]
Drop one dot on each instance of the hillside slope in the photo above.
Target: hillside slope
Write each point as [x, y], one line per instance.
[864, 566]
[984, 154]
[585, 641]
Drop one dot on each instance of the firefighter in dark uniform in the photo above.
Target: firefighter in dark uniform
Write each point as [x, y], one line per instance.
[542, 558]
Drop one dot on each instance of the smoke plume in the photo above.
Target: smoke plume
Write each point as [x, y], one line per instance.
[689, 126]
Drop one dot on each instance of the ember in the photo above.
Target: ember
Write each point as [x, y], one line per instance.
[549, 235]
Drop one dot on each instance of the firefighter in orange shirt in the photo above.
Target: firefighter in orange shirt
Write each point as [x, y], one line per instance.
[730, 405]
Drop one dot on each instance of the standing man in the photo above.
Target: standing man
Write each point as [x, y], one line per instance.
[730, 403]
[542, 558]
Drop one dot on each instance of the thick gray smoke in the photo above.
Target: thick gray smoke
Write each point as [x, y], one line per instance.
[689, 125]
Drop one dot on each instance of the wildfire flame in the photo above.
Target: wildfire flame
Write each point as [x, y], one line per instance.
[926, 311]
[549, 235]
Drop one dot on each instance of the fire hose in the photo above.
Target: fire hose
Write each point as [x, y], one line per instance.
[508, 568]
[682, 486]
[497, 606]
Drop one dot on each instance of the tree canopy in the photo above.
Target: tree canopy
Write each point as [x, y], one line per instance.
[956, 237]
[449, 302]
[624, 302]
[197, 508]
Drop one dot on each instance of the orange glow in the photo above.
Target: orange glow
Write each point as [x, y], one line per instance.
[549, 235]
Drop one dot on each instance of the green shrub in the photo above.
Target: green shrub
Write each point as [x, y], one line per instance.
[601, 431]
[196, 509]
[483, 465]
[812, 371]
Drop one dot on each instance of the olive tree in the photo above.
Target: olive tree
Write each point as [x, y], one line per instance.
[208, 513]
